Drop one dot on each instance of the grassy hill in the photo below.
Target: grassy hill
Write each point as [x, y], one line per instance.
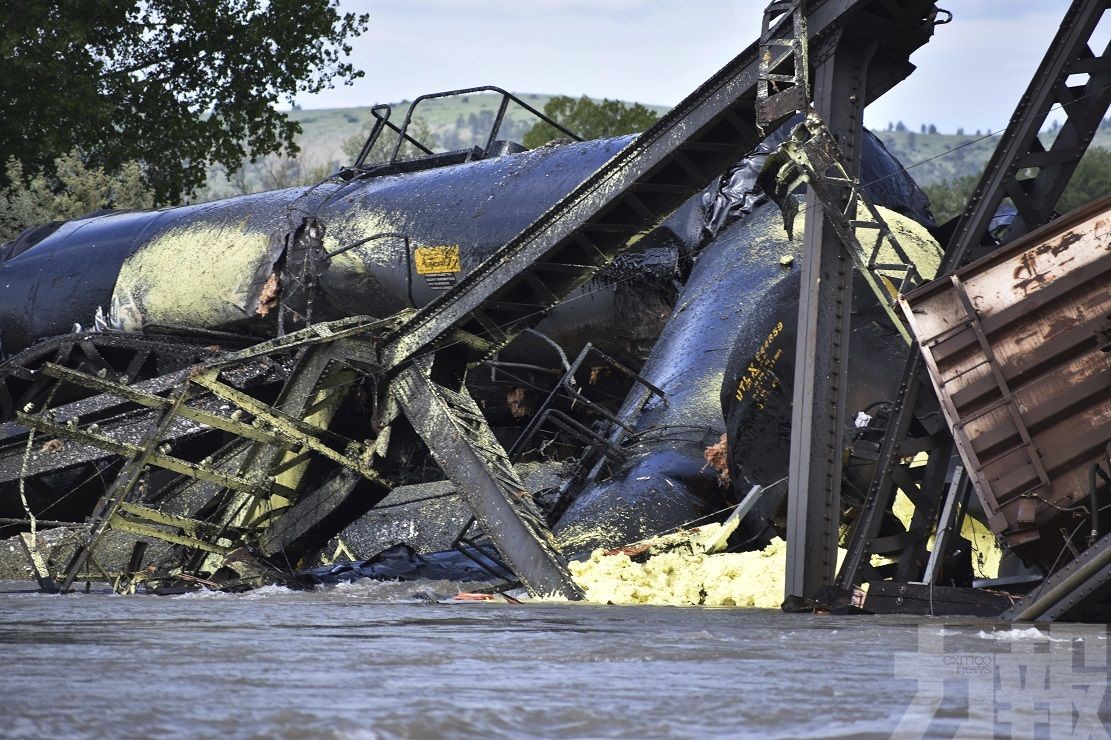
[933, 158]
[936, 158]
[326, 130]
[330, 136]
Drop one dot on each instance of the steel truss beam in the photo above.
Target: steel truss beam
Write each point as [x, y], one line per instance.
[816, 159]
[1022, 168]
[825, 303]
[466, 450]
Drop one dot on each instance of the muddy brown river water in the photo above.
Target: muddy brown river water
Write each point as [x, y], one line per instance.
[370, 660]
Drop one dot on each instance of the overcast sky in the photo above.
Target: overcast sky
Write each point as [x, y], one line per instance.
[656, 51]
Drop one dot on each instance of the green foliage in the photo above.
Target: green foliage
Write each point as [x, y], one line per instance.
[1091, 180]
[590, 120]
[173, 84]
[72, 190]
[948, 199]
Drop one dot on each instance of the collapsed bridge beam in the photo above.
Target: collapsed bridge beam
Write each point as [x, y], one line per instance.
[629, 195]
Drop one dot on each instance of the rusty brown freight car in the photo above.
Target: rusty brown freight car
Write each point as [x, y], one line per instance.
[1017, 349]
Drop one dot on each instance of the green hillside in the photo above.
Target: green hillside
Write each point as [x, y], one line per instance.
[935, 158]
[330, 136]
[326, 130]
[932, 158]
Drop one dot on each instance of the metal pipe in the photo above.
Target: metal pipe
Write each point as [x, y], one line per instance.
[1068, 585]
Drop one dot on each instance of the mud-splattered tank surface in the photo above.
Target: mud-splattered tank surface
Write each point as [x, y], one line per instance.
[392, 241]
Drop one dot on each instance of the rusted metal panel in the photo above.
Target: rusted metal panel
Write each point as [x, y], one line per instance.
[1012, 347]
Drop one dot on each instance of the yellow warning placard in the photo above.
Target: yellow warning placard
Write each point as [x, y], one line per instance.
[443, 258]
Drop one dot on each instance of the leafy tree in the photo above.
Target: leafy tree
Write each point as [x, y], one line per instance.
[947, 199]
[900, 127]
[589, 120]
[74, 189]
[173, 84]
[278, 171]
[931, 129]
[1091, 180]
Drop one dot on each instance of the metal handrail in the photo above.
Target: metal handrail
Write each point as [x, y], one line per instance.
[382, 122]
